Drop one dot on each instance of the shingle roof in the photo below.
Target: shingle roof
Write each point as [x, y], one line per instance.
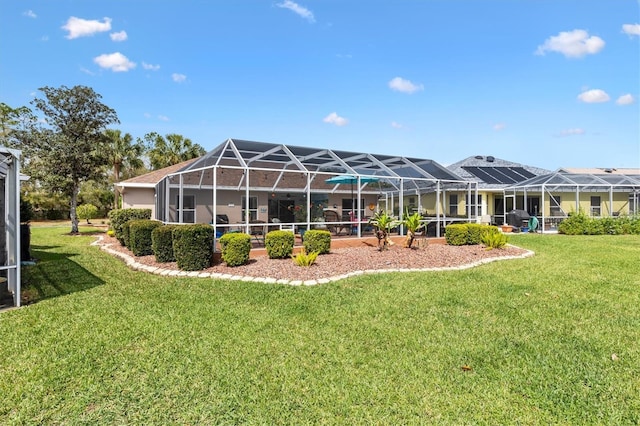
[152, 178]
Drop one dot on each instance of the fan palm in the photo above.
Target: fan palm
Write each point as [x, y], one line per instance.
[171, 149]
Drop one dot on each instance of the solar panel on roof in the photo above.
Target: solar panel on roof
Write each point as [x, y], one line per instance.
[481, 174]
[524, 172]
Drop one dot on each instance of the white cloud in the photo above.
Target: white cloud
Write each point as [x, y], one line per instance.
[297, 9]
[631, 29]
[178, 78]
[79, 27]
[146, 115]
[396, 125]
[30, 14]
[593, 96]
[151, 67]
[572, 44]
[116, 62]
[499, 126]
[119, 36]
[86, 71]
[163, 118]
[627, 99]
[571, 132]
[405, 86]
[334, 118]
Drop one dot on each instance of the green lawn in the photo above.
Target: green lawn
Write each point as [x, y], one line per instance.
[108, 345]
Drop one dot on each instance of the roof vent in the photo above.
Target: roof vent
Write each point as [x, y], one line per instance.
[479, 157]
[490, 158]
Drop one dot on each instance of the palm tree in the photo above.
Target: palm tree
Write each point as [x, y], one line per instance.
[123, 154]
[171, 149]
[413, 224]
[384, 224]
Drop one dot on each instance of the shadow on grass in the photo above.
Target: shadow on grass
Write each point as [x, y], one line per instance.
[54, 274]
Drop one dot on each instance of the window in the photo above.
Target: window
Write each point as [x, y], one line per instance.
[595, 206]
[453, 205]
[188, 208]
[473, 205]
[554, 205]
[253, 208]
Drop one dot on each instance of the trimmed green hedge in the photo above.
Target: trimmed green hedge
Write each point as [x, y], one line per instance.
[456, 234]
[460, 234]
[193, 246]
[279, 244]
[162, 243]
[118, 218]
[316, 240]
[235, 248]
[140, 236]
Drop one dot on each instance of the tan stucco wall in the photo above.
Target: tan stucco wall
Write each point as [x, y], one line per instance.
[139, 198]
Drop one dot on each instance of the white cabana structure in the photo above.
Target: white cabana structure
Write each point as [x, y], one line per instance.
[598, 192]
[245, 185]
[10, 227]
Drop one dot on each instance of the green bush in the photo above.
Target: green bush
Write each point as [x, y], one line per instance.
[140, 236]
[279, 244]
[235, 248]
[474, 233]
[118, 218]
[87, 211]
[304, 259]
[193, 246]
[581, 224]
[125, 234]
[316, 240]
[494, 239]
[162, 243]
[456, 234]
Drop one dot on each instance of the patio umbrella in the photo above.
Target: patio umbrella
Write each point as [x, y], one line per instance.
[351, 179]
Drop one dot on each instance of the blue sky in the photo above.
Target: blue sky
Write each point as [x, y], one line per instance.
[549, 83]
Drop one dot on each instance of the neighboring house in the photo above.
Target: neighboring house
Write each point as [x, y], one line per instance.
[492, 176]
[595, 191]
[10, 226]
[241, 183]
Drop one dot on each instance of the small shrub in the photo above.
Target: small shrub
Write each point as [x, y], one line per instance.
[235, 248]
[118, 218]
[316, 240]
[87, 211]
[125, 234]
[474, 233]
[494, 239]
[192, 246]
[279, 244]
[111, 233]
[140, 242]
[162, 243]
[305, 259]
[456, 234]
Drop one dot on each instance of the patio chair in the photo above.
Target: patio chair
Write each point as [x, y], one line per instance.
[258, 231]
[332, 216]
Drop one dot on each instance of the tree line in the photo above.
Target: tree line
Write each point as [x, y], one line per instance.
[72, 154]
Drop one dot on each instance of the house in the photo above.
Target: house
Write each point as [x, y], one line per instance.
[10, 226]
[595, 191]
[492, 176]
[139, 191]
[243, 183]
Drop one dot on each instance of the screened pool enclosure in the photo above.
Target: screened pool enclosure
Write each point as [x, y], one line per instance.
[555, 195]
[247, 186]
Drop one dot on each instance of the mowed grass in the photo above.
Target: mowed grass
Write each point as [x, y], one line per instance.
[552, 339]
